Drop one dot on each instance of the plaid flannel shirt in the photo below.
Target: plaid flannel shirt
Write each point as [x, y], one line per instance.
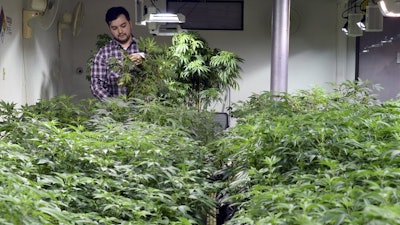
[103, 81]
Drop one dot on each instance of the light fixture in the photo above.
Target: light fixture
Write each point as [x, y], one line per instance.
[164, 18]
[345, 28]
[389, 8]
[160, 24]
[373, 19]
[166, 29]
[353, 28]
[144, 15]
[361, 23]
[153, 17]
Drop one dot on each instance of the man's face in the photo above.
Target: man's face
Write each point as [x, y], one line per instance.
[121, 29]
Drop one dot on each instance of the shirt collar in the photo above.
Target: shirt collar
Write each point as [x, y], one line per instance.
[117, 44]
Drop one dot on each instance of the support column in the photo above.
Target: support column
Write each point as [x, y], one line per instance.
[280, 46]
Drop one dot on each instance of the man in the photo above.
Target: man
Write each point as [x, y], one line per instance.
[104, 82]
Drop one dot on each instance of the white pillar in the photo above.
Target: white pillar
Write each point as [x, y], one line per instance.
[280, 46]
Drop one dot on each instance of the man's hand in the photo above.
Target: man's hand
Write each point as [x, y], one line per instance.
[137, 58]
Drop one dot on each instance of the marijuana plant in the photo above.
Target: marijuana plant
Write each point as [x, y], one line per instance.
[188, 72]
[314, 157]
[207, 71]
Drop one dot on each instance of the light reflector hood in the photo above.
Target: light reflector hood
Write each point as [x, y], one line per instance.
[389, 8]
[164, 18]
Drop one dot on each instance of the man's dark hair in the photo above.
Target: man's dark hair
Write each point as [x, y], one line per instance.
[114, 12]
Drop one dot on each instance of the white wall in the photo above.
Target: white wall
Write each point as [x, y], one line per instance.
[12, 84]
[31, 66]
[319, 52]
[41, 57]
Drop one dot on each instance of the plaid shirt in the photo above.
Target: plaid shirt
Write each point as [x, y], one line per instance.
[103, 81]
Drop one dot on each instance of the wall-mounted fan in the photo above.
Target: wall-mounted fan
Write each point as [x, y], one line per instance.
[44, 10]
[73, 20]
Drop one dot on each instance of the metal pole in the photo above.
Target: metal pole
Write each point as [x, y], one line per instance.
[280, 46]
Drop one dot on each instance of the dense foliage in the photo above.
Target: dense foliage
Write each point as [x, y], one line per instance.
[315, 157]
[113, 162]
[312, 157]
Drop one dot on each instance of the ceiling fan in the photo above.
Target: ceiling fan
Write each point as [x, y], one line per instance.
[73, 20]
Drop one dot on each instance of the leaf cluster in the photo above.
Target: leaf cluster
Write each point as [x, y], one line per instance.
[115, 162]
[313, 157]
[208, 71]
[188, 72]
